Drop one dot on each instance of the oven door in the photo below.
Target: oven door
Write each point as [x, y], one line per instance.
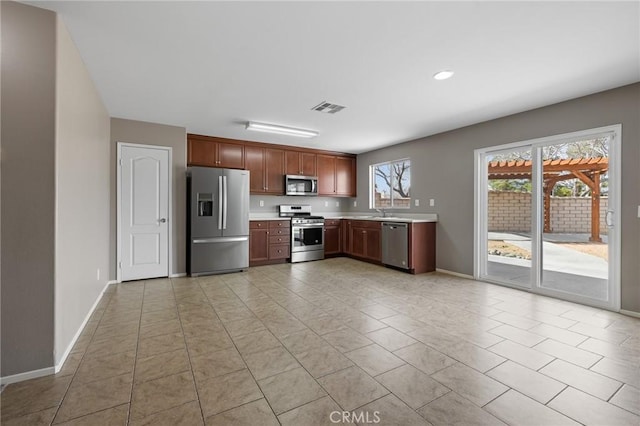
[307, 237]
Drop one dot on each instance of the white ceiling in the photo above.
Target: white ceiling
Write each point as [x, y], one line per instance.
[212, 66]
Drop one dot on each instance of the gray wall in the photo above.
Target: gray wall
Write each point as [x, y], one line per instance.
[82, 191]
[28, 192]
[442, 168]
[139, 132]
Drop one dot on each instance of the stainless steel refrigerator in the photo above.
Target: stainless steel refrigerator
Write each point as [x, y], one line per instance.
[217, 220]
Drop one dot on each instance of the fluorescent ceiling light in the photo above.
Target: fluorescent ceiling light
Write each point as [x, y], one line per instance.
[282, 130]
[443, 75]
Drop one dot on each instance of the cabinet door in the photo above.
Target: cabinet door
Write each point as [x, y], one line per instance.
[293, 166]
[332, 239]
[254, 162]
[345, 176]
[274, 171]
[258, 245]
[358, 241]
[230, 156]
[373, 244]
[326, 175]
[201, 153]
[345, 227]
[308, 164]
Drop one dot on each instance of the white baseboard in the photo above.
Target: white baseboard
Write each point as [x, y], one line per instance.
[630, 313]
[20, 377]
[179, 275]
[58, 366]
[113, 282]
[455, 274]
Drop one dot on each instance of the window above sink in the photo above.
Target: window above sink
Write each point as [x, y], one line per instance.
[390, 185]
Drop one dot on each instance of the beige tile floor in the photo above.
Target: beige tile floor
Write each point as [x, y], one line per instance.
[291, 344]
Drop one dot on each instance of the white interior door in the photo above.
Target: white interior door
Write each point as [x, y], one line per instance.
[143, 212]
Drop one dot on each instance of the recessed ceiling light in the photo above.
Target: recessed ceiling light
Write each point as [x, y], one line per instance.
[282, 130]
[443, 75]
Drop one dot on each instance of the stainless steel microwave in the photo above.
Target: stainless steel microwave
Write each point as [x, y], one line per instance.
[301, 185]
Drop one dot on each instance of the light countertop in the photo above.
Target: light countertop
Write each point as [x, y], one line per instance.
[400, 217]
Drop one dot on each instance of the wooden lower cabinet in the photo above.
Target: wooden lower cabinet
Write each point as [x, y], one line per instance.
[364, 239]
[422, 247]
[269, 241]
[332, 237]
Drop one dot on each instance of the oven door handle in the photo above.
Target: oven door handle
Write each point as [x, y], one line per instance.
[310, 226]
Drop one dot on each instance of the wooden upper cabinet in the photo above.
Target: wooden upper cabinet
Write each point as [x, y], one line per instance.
[326, 174]
[346, 176]
[301, 163]
[336, 175]
[269, 163]
[254, 162]
[274, 170]
[230, 156]
[267, 170]
[201, 153]
[213, 153]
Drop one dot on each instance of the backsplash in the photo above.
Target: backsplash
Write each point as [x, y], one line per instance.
[318, 204]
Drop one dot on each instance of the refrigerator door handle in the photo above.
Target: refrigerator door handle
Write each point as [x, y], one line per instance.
[220, 195]
[224, 208]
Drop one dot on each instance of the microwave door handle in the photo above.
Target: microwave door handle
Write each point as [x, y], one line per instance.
[314, 184]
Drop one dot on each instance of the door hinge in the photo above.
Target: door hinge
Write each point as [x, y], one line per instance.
[120, 265]
[119, 161]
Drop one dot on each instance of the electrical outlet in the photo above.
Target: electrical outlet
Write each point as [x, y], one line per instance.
[98, 275]
[432, 202]
[417, 202]
[355, 203]
[337, 203]
[326, 204]
[261, 203]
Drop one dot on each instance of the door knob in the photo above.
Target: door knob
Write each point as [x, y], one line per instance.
[163, 220]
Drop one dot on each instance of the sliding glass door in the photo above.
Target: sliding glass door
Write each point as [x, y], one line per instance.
[508, 216]
[546, 216]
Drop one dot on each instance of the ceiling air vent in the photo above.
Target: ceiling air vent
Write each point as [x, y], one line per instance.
[327, 107]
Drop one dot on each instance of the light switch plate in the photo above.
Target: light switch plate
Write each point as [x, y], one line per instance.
[638, 211]
[355, 203]
[261, 203]
[337, 203]
[432, 202]
[417, 202]
[326, 204]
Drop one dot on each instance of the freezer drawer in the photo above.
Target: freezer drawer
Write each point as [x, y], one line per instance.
[219, 255]
[395, 244]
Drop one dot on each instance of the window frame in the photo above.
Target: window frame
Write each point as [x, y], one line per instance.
[372, 185]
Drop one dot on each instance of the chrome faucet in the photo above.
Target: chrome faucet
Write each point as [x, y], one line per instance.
[383, 212]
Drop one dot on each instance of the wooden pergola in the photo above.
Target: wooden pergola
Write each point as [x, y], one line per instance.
[588, 170]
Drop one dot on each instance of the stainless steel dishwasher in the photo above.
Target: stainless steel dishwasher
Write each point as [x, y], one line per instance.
[395, 244]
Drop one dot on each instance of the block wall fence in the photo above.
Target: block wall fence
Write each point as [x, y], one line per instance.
[511, 212]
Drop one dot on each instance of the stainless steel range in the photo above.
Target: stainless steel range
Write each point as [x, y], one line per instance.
[307, 232]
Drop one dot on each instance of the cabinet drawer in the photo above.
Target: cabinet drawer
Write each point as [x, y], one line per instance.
[279, 239]
[279, 231]
[259, 224]
[331, 222]
[279, 224]
[366, 224]
[279, 251]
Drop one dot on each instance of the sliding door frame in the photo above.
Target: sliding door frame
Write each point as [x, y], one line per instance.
[537, 215]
